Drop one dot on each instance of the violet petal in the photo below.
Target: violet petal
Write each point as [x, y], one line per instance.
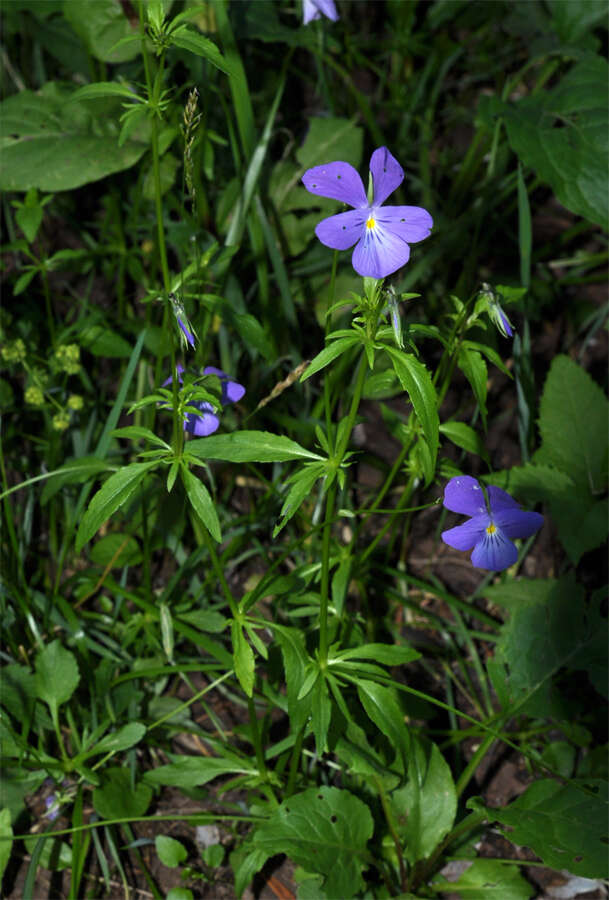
[463, 494]
[379, 253]
[495, 552]
[337, 180]
[517, 523]
[387, 174]
[466, 536]
[343, 230]
[410, 223]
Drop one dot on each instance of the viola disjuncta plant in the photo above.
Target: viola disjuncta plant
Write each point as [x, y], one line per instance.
[493, 524]
[206, 421]
[382, 234]
[314, 9]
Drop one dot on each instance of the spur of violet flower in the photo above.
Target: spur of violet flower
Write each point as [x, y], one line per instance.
[491, 528]
[206, 421]
[381, 234]
[314, 9]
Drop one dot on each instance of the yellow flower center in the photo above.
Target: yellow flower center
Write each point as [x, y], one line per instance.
[370, 223]
[490, 529]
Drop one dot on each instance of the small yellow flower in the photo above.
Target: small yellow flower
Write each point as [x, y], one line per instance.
[34, 395]
[75, 402]
[61, 420]
[68, 358]
[14, 352]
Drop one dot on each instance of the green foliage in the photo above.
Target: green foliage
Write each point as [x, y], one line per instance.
[53, 143]
[564, 824]
[119, 797]
[326, 831]
[170, 852]
[487, 878]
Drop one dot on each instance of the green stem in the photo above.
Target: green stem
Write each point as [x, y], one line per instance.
[294, 761]
[473, 764]
[220, 573]
[260, 761]
[394, 834]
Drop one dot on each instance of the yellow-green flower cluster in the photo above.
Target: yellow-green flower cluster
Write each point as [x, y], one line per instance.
[34, 395]
[67, 358]
[75, 402]
[61, 420]
[14, 352]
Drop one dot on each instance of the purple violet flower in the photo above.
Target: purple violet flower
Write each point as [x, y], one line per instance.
[314, 9]
[207, 421]
[186, 332]
[491, 528]
[381, 234]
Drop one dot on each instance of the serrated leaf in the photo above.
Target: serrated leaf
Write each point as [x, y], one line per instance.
[195, 771]
[564, 824]
[574, 422]
[562, 134]
[249, 446]
[57, 674]
[117, 489]
[326, 831]
[416, 381]
[187, 39]
[202, 503]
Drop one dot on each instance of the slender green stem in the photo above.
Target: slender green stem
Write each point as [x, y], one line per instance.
[325, 577]
[294, 762]
[256, 740]
[473, 764]
[388, 813]
[220, 573]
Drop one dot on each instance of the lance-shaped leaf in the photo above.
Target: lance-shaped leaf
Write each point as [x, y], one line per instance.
[249, 446]
[202, 503]
[416, 381]
[117, 489]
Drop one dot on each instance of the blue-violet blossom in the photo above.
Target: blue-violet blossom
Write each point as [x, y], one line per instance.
[381, 234]
[206, 421]
[492, 528]
[314, 9]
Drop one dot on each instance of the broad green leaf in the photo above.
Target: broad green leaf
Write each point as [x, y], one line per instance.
[425, 808]
[573, 423]
[416, 381]
[486, 879]
[474, 368]
[248, 446]
[465, 437]
[116, 490]
[562, 135]
[117, 798]
[57, 674]
[390, 654]
[552, 628]
[202, 503]
[170, 852]
[564, 824]
[326, 831]
[362, 759]
[54, 145]
[331, 138]
[381, 705]
[123, 739]
[194, 42]
[243, 659]
[117, 549]
[195, 771]
[6, 842]
[101, 24]
[245, 862]
[101, 341]
[328, 354]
